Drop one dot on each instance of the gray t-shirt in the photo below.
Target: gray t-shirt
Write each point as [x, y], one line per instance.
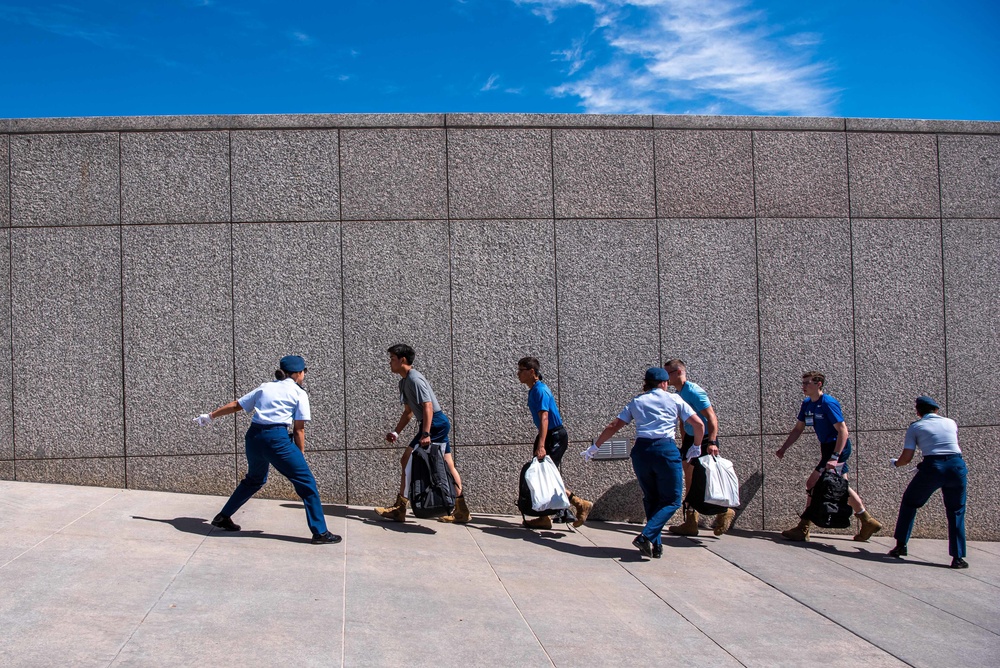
[415, 390]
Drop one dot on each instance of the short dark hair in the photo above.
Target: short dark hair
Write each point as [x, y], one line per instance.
[675, 362]
[815, 376]
[402, 351]
[530, 363]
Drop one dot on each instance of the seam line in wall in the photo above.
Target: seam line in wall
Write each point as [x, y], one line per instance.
[944, 284]
[232, 302]
[121, 308]
[760, 338]
[10, 294]
[451, 290]
[854, 300]
[343, 310]
[555, 263]
[659, 268]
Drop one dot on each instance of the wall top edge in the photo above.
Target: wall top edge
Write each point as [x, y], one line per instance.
[470, 120]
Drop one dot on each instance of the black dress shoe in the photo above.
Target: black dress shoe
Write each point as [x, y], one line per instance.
[657, 551]
[899, 551]
[959, 562]
[644, 545]
[324, 538]
[225, 523]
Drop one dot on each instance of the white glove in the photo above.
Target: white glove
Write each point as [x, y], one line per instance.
[892, 463]
[203, 420]
[694, 452]
[589, 453]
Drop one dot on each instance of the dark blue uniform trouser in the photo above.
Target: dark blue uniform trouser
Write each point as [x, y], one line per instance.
[657, 465]
[949, 474]
[271, 445]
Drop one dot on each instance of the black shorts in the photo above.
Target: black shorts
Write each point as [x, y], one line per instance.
[556, 443]
[826, 450]
[688, 442]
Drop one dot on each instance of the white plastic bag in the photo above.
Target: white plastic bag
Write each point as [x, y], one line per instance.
[547, 489]
[722, 487]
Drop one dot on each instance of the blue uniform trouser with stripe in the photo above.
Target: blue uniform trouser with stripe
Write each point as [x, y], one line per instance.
[657, 465]
[949, 474]
[271, 445]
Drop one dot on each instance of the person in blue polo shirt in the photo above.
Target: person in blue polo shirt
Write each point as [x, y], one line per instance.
[655, 456]
[276, 406]
[822, 412]
[942, 468]
[552, 439]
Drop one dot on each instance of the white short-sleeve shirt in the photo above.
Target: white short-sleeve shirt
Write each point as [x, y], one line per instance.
[277, 402]
[934, 435]
[656, 413]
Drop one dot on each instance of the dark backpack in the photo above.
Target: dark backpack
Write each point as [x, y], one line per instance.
[696, 493]
[828, 507]
[524, 496]
[432, 491]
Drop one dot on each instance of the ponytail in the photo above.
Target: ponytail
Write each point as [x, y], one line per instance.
[280, 375]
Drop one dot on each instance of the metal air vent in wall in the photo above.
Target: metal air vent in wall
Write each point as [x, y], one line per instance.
[613, 449]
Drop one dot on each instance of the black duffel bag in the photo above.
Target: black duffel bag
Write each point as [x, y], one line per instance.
[828, 507]
[432, 491]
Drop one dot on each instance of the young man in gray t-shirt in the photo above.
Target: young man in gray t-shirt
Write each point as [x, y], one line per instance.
[418, 400]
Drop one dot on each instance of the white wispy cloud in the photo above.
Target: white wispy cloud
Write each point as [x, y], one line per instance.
[302, 38]
[671, 55]
[65, 21]
[491, 83]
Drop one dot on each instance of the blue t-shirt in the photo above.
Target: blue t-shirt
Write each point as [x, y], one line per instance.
[821, 415]
[697, 399]
[540, 399]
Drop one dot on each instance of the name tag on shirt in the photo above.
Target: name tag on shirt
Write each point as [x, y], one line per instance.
[809, 419]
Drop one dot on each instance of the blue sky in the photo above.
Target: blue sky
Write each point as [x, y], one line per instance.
[857, 58]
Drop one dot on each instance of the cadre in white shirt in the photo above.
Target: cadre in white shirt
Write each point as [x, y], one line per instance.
[277, 402]
[935, 434]
[656, 413]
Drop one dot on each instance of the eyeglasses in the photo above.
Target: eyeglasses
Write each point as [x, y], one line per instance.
[809, 382]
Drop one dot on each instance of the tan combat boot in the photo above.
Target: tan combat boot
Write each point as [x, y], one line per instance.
[581, 508]
[799, 533]
[395, 512]
[723, 521]
[543, 522]
[690, 526]
[868, 526]
[460, 513]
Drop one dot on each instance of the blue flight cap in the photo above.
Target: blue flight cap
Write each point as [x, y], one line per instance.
[925, 402]
[292, 364]
[657, 374]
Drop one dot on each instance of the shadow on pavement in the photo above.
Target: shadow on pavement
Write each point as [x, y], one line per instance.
[858, 550]
[202, 527]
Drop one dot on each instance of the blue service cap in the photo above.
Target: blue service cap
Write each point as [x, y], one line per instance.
[292, 364]
[657, 374]
[926, 402]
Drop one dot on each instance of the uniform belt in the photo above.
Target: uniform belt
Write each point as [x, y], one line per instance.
[555, 429]
[948, 456]
[260, 425]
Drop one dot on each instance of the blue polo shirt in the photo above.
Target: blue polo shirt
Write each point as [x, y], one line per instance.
[696, 398]
[540, 399]
[821, 415]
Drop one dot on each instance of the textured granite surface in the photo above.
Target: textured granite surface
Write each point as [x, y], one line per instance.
[979, 451]
[703, 173]
[393, 174]
[190, 474]
[800, 174]
[970, 176]
[64, 179]
[695, 121]
[804, 327]
[893, 175]
[6, 469]
[66, 300]
[373, 476]
[899, 322]
[708, 313]
[504, 305]
[608, 314]
[500, 173]
[971, 266]
[915, 125]
[92, 471]
[178, 335]
[328, 467]
[6, 392]
[603, 173]
[222, 122]
[285, 175]
[392, 297]
[550, 120]
[4, 180]
[745, 452]
[175, 177]
[287, 300]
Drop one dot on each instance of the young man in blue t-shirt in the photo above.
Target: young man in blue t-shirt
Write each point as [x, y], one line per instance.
[697, 398]
[822, 412]
[552, 439]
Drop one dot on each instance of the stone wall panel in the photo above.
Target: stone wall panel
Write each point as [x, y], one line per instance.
[4, 180]
[893, 175]
[213, 475]
[970, 176]
[603, 173]
[704, 173]
[286, 175]
[495, 173]
[64, 179]
[6, 372]
[66, 301]
[175, 177]
[90, 471]
[800, 174]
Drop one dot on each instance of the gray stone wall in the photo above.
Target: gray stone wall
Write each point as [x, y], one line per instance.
[154, 268]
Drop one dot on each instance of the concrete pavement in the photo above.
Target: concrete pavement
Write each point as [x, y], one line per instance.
[103, 577]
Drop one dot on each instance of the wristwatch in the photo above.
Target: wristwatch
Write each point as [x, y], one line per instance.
[424, 433]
